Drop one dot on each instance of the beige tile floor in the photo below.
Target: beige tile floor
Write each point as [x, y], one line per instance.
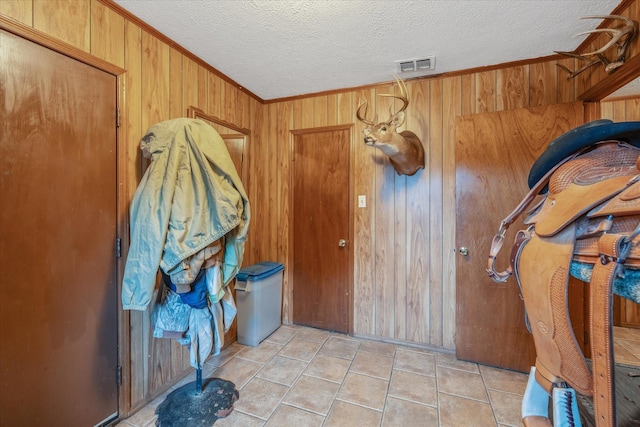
[305, 377]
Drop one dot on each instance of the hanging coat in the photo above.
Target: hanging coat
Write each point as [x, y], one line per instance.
[189, 197]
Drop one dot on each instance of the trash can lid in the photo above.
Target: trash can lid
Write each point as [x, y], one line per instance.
[259, 271]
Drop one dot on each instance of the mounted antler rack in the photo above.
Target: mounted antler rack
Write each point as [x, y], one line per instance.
[620, 37]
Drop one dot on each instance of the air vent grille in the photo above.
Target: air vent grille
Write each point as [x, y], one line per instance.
[407, 66]
[416, 64]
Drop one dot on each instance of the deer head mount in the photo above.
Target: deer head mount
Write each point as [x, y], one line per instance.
[404, 149]
[620, 37]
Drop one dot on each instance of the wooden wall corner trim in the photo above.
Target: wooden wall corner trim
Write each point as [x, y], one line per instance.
[623, 75]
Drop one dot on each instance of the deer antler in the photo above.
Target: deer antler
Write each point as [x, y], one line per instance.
[616, 34]
[590, 62]
[621, 37]
[362, 104]
[404, 96]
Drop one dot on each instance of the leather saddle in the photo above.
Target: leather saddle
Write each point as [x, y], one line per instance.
[587, 224]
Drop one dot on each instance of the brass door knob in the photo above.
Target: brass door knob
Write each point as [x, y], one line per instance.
[342, 243]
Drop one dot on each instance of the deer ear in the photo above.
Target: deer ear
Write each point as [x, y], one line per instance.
[398, 119]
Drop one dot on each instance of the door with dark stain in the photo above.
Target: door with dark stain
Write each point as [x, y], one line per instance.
[321, 229]
[58, 186]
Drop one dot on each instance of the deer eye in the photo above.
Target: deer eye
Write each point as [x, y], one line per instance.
[383, 128]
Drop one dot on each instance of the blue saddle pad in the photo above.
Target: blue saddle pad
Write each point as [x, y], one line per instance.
[627, 287]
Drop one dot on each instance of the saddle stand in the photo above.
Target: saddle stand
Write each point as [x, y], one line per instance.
[587, 225]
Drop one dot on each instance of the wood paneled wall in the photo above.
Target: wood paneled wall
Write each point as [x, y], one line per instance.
[403, 241]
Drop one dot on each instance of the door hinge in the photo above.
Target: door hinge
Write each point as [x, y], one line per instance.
[119, 375]
[118, 117]
[118, 247]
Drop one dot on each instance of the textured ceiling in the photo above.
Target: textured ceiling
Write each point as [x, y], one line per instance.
[283, 48]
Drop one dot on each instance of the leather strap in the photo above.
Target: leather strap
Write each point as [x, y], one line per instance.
[612, 253]
[498, 239]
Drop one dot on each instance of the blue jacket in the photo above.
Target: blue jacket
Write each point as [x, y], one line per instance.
[189, 197]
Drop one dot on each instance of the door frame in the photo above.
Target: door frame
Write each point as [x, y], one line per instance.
[122, 198]
[288, 291]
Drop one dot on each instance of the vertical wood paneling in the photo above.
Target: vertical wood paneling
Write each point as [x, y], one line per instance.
[468, 94]
[155, 80]
[485, 92]
[400, 238]
[384, 201]
[260, 217]
[542, 84]
[307, 118]
[20, 10]
[131, 132]
[416, 295]
[632, 109]
[273, 180]
[283, 139]
[107, 34]
[190, 83]
[451, 108]
[332, 109]
[176, 105]
[436, 214]
[229, 102]
[566, 86]
[67, 20]
[203, 87]
[363, 222]
[320, 111]
[253, 107]
[214, 106]
[345, 109]
[512, 87]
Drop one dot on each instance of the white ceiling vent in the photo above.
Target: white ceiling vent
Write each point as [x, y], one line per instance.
[416, 65]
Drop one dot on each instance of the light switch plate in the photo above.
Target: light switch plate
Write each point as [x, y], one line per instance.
[362, 201]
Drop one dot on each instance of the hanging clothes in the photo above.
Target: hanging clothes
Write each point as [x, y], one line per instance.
[189, 218]
[189, 197]
[198, 319]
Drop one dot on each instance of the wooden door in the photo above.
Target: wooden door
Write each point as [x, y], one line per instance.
[494, 152]
[58, 302]
[235, 145]
[320, 222]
